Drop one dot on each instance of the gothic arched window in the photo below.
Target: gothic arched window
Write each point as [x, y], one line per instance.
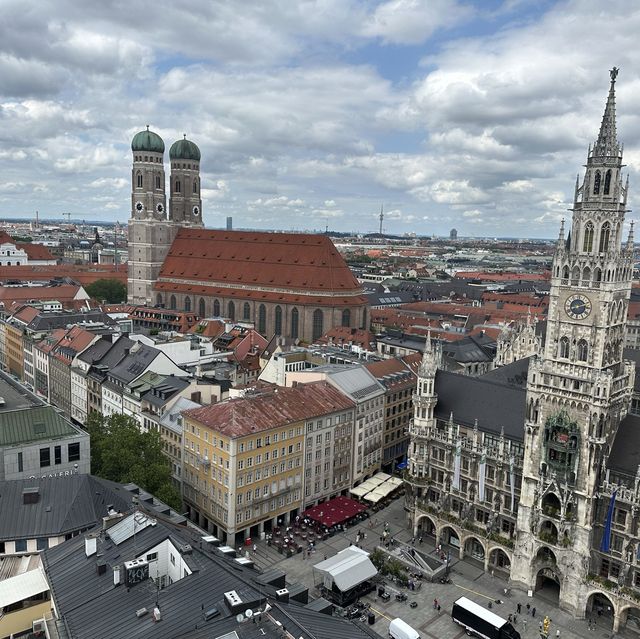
[172, 302]
[177, 187]
[583, 350]
[294, 323]
[246, 311]
[587, 245]
[564, 347]
[158, 299]
[346, 317]
[565, 272]
[187, 304]
[195, 186]
[232, 311]
[216, 308]
[318, 324]
[201, 309]
[596, 183]
[139, 180]
[607, 182]
[604, 237]
[158, 182]
[262, 319]
[278, 320]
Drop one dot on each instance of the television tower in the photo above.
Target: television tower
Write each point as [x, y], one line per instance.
[381, 217]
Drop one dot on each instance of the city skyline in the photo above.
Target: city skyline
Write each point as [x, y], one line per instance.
[449, 114]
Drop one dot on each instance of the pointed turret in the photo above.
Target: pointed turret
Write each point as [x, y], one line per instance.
[630, 239]
[561, 235]
[607, 143]
[431, 357]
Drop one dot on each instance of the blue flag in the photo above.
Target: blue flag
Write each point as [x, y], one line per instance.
[605, 544]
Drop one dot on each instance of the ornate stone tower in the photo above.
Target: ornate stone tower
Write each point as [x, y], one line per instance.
[150, 232]
[580, 388]
[185, 202]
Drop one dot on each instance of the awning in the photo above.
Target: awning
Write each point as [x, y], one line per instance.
[28, 584]
[359, 491]
[335, 511]
[395, 481]
[346, 569]
[373, 497]
[382, 476]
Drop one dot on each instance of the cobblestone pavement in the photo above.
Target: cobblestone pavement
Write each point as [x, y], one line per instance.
[468, 578]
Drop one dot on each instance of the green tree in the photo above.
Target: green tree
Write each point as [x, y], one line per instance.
[121, 452]
[114, 291]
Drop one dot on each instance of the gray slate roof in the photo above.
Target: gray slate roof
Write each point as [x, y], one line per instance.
[625, 451]
[495, 405]
[134, 364]
[47, 321]
[514, 374]
[65, 505]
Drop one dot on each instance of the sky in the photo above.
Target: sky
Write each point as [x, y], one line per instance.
[313, 113]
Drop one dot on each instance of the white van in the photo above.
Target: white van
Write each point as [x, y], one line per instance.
[399, 629]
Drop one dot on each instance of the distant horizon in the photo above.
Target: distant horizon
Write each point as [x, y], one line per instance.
[424, 236]
[467, 114]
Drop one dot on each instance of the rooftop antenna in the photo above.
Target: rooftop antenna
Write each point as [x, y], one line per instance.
[37, 220]
[115, 244]
[381, 217]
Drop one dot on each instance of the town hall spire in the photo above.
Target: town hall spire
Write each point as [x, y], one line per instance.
[607, 143]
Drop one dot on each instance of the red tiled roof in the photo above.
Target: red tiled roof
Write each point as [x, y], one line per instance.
[502, 277]
[271, 409]
[27, 314]
[81, 273]
[36, 251]
[5, 237]
[232, 263]
[61, 293]
[345, 335]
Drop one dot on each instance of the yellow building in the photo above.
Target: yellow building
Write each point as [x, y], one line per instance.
[25, 600]
[14, 349]
[243, 461]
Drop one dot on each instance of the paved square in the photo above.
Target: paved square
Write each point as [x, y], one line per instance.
[468, 578]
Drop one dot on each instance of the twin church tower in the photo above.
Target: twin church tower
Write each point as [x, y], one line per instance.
[151, 228]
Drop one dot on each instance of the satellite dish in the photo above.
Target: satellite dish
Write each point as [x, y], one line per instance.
[240, 618]
[248, 613]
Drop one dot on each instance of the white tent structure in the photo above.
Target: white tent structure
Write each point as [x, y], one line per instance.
[345, 570]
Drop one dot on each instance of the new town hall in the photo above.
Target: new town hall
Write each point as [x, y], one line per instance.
[539, 481]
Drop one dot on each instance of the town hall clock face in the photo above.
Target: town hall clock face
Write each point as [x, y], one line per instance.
[577, 306]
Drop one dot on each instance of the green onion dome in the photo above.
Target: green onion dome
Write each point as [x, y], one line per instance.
[147, 141]
[184, 150]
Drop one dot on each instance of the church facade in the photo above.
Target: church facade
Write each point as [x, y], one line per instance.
[294, 285]
[528, 469]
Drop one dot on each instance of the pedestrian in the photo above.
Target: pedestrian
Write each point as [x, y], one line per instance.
[558, 632]
[509, 618]
[515, 619]
[524, 626]
[435, 604]
[255, 549]
[519, 607]
[533, 612]
[438, 608]
[528, 608]
[420, 540]
[540, 626]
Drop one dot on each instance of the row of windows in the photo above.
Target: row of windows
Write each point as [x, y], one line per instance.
[73, 454]
[177, 184]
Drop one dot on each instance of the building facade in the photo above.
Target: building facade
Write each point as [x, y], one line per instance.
[545, 487]
[151, 229]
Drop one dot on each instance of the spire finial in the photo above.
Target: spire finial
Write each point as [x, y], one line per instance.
[607, 142]
[561, 233]
[147, 127]
[185, 135]
[630, 238]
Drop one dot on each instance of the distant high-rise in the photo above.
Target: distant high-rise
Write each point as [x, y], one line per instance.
[229, 223]
[453, 234]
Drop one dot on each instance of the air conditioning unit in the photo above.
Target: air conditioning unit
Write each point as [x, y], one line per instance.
[38, 628]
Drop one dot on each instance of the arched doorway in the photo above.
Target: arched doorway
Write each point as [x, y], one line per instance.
[426, 526]
[548, 585]
[499, 561]
[450, 537]
[601, 610]
[630, 620]
[474, 549]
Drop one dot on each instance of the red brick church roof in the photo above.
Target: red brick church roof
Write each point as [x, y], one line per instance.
[282, 266]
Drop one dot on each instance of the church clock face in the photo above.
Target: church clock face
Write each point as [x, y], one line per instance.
[196, 210]
[577, 307]
[139, 207]
[160, 208]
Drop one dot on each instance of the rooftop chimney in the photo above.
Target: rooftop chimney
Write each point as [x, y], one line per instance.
[90, 546]
[116, 575]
